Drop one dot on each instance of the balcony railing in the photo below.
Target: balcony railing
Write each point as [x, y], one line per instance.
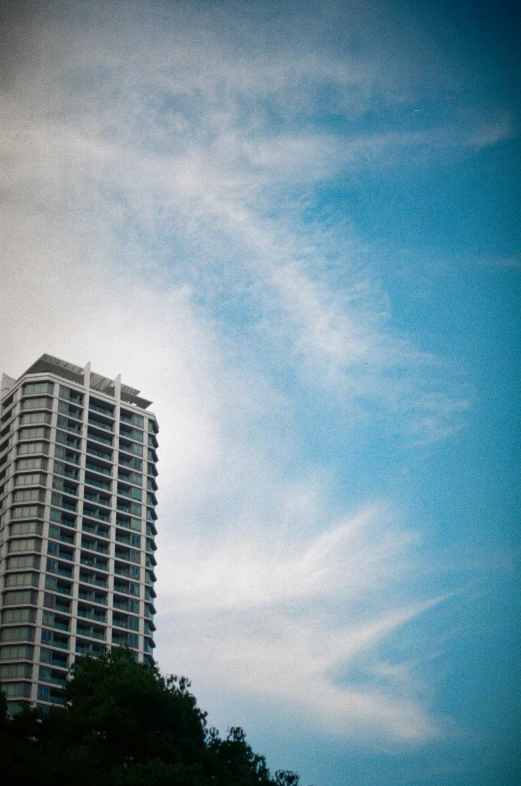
[91, 634]
[99, 454]
[91, 616]
[98, 484]
[101, 410]
[90, 563]
[95, 468]
[97, 499]
[94, 582]
[91, 599]
[93, 547]
[93, 515]
[94, 531]
[100, 424]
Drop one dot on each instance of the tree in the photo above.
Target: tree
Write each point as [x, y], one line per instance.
[124, 724]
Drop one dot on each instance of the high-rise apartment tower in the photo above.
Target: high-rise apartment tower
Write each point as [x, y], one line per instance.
[77, 524]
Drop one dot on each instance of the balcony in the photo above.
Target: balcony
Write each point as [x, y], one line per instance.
[90, 563]
[99, 454]
[60, 570]
[96, 498]
[54, 661]
[99, 438]
[93, 581]
[90, 633]
[63, 539]
[93, 421]
[97, 468]
[60, 626]
[94, 547]
[96, 515]
[126, 624]
[98, 483]
[92, 598]
[129, 555]
[61, 645]
[102, 410]
[90, 615]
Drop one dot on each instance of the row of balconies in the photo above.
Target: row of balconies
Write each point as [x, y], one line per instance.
[58, 635]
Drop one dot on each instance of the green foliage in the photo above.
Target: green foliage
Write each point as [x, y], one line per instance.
[124, 724]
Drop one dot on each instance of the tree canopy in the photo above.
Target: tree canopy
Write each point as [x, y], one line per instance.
[125, 724]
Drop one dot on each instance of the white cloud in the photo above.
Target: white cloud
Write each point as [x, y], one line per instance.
[276, 617]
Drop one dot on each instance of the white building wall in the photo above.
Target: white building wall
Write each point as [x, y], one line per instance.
[77, 524]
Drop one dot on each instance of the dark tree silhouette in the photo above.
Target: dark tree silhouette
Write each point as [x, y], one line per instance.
[124, 724]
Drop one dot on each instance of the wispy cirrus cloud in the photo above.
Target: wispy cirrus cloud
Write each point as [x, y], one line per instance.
[282, 617]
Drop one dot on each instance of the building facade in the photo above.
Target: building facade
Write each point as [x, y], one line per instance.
[77, 525]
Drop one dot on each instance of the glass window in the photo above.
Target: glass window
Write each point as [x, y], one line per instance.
[29, 495]
[25, 561]
[26, 528]
[22, 580]
[37, 403]
[34, 432]
[19, 597]
[34, 479]
[17, 634]
[70, 394]
[21, 651]
[26, 544]
[31, 463]
[14, 670]
[27, 511]
[36, 417]
[17, 689]
[38, 387]
[27, 448]
[18, 615]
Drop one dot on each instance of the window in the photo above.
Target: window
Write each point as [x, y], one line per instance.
[34, 432]
[13, 670]
[36, 417]
[70, 394]
[17, 689]
[70, 409]
[34, 479]
[31, 463]
[25, 561]
[29, 495]
[130, 447]
[22, 580]
[27, 448]
[18, 615]
[37, 403]
[26, 528]
[44, 692]
[68, 455]
[19, 652]
[19, 597]
[27, 511]
[132, 417]
[23, 633]
[38, 387]
[27, 544]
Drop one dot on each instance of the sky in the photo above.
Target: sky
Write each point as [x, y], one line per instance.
[295, 227]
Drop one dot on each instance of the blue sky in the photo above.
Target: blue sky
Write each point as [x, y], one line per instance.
[295, 227]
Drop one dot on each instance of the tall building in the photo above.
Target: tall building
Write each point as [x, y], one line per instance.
[77, 524]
